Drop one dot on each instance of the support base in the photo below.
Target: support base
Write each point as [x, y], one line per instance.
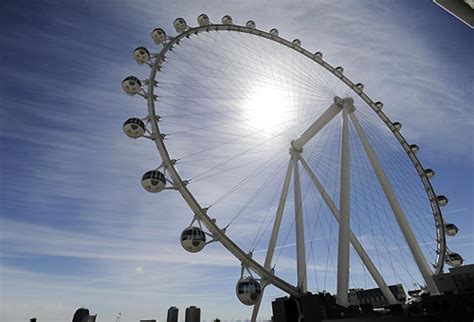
[322, 307]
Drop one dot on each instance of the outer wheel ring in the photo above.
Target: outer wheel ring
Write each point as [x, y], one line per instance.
[200, 212]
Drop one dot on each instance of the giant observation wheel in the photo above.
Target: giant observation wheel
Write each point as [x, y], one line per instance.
[242, 119]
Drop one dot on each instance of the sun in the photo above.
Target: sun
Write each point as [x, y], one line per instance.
[266, 109]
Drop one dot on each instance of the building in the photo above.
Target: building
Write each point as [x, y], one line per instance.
[353, 299]
[83, 315]
[193, 314]
[375, 297]
[459, 280]
[172, 314]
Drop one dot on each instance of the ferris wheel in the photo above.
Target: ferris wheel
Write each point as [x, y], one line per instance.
[285, 161]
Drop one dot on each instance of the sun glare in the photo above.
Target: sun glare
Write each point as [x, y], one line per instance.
[266, 109]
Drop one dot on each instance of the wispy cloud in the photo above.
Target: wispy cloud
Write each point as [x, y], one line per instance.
[77, 229]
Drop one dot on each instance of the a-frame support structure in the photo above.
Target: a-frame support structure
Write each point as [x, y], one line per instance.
[342, 214]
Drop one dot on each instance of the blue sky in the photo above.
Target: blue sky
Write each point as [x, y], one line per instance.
[77, 229]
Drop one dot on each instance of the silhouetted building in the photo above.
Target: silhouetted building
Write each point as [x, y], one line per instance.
[172, 314]
[353, 299]
[193, 314]
[314, 307]
[459, 280]
[322, 307]
[375, 297]
[81, 315]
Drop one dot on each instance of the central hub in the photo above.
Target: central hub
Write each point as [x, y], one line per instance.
[293, 149]
[345, 103]
[340, 104]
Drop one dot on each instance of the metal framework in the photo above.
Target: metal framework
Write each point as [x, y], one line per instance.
[342, 215]
[441, 244]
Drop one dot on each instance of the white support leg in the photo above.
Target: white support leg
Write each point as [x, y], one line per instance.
[324, 119]
[344, 222]
[296, 147]
[300, 246]
[397, 209]
[353, 239]
[279, 214]
[276, 229]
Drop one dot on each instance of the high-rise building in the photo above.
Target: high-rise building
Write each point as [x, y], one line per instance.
[81, 315]
[172, 314]
[193, 314]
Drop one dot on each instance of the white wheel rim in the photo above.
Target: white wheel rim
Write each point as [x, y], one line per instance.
[200, 212]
